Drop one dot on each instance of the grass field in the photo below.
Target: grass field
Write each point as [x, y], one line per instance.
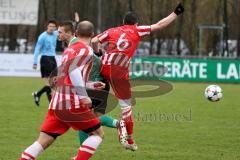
[189, 128]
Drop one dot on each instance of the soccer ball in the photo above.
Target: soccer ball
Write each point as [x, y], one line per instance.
[213, 93]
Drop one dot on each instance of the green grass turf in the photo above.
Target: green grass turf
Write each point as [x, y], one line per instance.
[187, 126]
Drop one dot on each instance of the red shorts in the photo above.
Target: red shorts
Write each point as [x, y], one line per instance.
[59, 121]
[118, 77]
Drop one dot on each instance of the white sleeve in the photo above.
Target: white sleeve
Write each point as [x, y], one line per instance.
[103, 37]
[78, 83]
[144, 30]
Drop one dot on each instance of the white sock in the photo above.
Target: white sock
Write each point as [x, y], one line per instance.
[126, 112]
[115, 122]
[32, 151]
[91, 144]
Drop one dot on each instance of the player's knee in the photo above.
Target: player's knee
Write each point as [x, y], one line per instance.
[102, 136]
[45, 140]
[99, 132]
[98, 114]
[48, 90]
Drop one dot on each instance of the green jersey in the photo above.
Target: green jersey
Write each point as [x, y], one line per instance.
[95, 72]
[75, 39]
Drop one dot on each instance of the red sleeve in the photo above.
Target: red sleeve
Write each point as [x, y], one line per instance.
[66, 55]
[103, 37]
[144, 30]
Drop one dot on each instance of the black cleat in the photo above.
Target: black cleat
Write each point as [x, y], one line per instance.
[36, 98]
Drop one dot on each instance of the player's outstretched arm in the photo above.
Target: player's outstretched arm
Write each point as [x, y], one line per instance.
[76, 20]
[76, 17]
[168, 20]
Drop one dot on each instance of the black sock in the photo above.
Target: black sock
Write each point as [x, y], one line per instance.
[44, 89]
[49, 95]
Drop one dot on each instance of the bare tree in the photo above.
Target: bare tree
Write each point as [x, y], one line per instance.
[192, 27]
[236, 9]
[12, 44]
[179, 31]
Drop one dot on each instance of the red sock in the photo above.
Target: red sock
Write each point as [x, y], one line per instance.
[84, 153]
[128, 118]
[27, 156]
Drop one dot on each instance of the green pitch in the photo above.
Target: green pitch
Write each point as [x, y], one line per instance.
[181, 125]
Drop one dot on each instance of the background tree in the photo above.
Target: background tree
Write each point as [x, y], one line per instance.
[111, 13]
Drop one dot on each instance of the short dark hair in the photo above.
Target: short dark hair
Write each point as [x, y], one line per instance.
[85, 29]
[130, 18]
[68, 26]
[52, 21]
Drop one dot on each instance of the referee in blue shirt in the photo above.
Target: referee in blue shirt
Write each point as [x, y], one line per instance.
[46, 47]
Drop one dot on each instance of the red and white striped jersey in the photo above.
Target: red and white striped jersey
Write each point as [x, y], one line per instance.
[77, 57]
[122, 42]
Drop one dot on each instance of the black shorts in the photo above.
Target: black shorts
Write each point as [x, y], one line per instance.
[47, 65]
[99, 98]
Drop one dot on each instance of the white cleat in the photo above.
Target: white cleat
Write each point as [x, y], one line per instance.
[132, 147]
[122, 133]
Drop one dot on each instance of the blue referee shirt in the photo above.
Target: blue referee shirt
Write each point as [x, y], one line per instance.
[46, 45]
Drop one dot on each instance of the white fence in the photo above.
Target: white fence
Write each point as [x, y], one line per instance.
[19, 65]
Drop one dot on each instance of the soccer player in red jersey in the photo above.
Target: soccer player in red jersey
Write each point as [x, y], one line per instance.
[121, 44]
[70, 104]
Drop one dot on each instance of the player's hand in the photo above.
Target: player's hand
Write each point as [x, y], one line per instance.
[99, 85]
[179, 9]
[85, 101]
[34, 66]
[100, 53]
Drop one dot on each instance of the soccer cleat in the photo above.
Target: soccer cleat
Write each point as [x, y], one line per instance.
[122, 133]
[132, 147]
[36, 98]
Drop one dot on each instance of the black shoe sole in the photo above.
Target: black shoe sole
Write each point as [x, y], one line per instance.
[34, 97]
